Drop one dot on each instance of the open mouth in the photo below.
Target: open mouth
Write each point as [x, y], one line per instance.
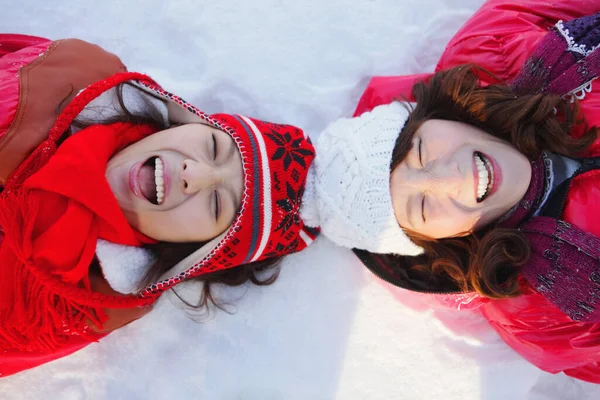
[485, 171]
[151, 180]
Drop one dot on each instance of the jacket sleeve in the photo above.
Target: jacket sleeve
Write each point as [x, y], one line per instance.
[384, 89]
[498, 37]
[14, 361]
[501, 35]
[11, 42]
[545, 336]
[38, 79]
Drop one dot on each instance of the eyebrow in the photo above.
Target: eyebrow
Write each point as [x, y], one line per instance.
[460, 206]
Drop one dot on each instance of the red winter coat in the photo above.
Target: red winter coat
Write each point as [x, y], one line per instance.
[38, 79]
[499, 38]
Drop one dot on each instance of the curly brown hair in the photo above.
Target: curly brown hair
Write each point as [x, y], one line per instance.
[488, 260]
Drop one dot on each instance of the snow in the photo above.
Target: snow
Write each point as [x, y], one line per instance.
[327, 329]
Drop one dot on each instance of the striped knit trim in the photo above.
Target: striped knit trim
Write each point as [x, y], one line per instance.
[266, 190]
[256, 192]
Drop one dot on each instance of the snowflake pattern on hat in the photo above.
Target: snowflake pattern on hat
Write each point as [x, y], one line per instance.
[276, 159]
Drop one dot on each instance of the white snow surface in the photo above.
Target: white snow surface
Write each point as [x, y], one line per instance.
[327, 329]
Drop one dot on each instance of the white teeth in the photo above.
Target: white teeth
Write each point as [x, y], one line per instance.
[159, 180]
[484, 178]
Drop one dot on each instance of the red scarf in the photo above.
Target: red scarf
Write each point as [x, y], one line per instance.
[51, 223]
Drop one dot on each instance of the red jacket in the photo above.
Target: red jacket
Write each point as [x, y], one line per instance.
[38, 78]
[499, 38]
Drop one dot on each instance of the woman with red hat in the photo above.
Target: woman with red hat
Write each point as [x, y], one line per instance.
[114, 191]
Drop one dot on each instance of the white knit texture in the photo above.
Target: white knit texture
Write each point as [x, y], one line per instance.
[123, 266]
[348, 189]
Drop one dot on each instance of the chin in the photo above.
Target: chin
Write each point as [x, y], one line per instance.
[132, 219]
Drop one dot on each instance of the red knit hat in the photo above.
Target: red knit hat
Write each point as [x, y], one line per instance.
[275, 159]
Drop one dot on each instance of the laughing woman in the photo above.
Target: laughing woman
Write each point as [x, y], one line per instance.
[489, 196]
[114, 191]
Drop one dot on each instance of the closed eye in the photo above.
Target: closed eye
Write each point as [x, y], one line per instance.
[217, 206]
[423, 209]
[421, 151]
[214, 139]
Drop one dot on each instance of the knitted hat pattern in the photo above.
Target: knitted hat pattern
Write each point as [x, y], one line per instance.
[348, 189]
[276, 159]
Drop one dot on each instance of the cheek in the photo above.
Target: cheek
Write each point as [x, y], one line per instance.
[492, 214]
[512, 163]
[399, 197]
[182, 224]
[189, 222]
[454, 223]
[441, 147]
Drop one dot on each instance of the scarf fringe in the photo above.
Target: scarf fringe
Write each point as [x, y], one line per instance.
[37, 313]
[41, 307]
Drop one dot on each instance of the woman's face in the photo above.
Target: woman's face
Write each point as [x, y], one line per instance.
[183, 184]
[456, 179]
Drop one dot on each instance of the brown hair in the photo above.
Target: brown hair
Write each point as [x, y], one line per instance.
[488, 261]
[169, 254]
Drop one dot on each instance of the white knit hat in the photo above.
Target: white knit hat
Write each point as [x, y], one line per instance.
[348, 189]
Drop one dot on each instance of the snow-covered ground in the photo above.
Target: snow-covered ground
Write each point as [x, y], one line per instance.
[327, 329]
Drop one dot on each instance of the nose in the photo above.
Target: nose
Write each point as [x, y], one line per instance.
[197, 176]
[443, 179]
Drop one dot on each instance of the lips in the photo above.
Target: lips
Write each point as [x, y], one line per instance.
[133, 179]
[484, 176]
[144, 182]
[497, 175]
